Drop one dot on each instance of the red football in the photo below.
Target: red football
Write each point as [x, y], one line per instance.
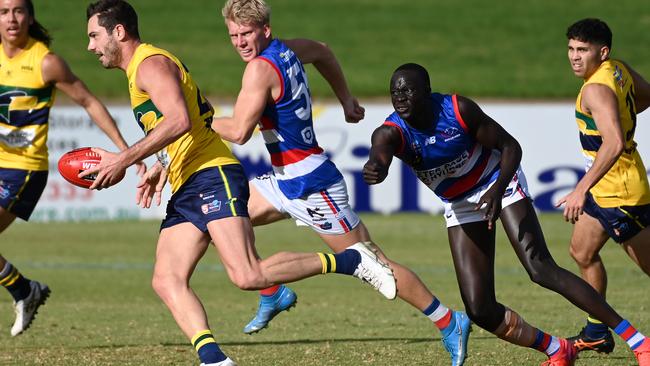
[76, 161]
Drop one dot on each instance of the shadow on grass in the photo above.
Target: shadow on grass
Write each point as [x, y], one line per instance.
[332, 340]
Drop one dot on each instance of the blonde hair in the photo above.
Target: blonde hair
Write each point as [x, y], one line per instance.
[247, 12]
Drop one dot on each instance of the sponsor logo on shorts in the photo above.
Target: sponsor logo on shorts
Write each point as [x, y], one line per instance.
[4, 192]
[325, 226]
[210, 207]
[206, 196]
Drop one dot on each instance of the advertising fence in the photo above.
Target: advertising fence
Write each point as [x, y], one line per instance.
[547, 132]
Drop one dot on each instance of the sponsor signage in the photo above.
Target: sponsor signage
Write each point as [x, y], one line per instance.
[547, 132]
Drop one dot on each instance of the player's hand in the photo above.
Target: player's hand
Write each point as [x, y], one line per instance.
[374, 173]
[353, 111]
[141, 168]
[491, 203]
[150, 187]
[574, 204]
[109, 171]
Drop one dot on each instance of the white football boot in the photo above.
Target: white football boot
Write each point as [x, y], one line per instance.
[374, 271]
[27, 308]
[226, 362]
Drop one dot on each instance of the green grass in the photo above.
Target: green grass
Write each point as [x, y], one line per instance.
[505, 49]
[103, 311]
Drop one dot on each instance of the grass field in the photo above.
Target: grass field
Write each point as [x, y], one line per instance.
[504, 49]
[103, 312]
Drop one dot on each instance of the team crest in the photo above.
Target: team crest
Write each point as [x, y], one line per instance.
[5, 101]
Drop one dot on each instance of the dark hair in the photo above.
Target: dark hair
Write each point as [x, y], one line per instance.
[419, 69]
[591, 30]
[114, 12]
[36, 30]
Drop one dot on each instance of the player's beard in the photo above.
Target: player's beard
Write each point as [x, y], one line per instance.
[112, 55]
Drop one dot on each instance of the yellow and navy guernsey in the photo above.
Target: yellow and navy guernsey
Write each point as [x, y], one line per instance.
[626, 183]
[197, 149]
[25, 102]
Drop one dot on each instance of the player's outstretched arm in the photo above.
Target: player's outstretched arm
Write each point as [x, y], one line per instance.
[490, 134]
[55, 70]
[324, 60]
[386, 141]
[259, 83]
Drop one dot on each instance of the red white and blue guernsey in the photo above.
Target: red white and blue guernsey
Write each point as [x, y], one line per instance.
[305, 183]
[448, 160]
[299, 164]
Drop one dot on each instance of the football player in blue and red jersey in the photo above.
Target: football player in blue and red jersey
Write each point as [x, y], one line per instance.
[305, 184]
[470, 162]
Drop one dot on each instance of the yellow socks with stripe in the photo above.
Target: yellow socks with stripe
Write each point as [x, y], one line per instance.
[345, 262]
[207, 348]
[14, 282]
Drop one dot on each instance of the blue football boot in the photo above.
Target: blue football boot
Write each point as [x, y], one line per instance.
[270, 306]
[455, 337]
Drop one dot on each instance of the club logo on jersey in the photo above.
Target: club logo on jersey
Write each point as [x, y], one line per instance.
[326, 226]
[450, 133]
[307, 135]
[210, 207]
[5, 101]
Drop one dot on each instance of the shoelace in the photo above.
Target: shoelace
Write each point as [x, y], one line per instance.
[367, 276]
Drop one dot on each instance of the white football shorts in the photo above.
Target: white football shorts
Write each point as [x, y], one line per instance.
[462, 211]
[327, 212]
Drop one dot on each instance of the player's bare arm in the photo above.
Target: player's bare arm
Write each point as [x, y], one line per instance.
[55, 70]
[159, 77]
[641, 90]
[490, 134]
[601, 103]
[260, 84]
[386, 141]
[323, 59]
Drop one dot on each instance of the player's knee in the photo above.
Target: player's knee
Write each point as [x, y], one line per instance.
[581, 256]
[483, 316]
[247, 280]
[481, 312]
[163, 286]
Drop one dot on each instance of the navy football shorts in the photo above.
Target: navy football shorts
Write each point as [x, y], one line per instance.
[20, 190]
[620, 223]
[209, 194]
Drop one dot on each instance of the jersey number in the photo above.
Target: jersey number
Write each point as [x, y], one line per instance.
[300, 90]
[629, 102]
[204, 107]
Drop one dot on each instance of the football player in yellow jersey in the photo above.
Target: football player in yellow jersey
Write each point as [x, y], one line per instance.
[612, 200]
[29, 74]
[211, 203]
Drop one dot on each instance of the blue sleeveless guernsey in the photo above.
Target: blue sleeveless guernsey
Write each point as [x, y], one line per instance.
[299, 164]
[445, 157]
